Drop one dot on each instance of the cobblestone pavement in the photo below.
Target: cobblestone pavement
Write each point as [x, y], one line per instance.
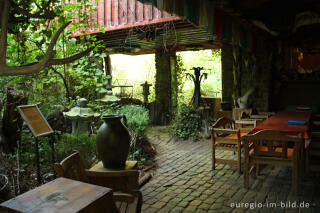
[184, 182]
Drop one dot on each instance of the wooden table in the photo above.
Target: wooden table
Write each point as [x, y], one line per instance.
[279, 122]
[62, 195]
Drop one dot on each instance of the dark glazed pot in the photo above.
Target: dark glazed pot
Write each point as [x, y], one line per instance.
[113, 142]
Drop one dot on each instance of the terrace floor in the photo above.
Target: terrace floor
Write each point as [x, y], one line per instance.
[184, 182]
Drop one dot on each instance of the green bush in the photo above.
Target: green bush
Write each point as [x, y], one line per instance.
[137, 118]
[85, 144]
[137, 122]
[187, 123]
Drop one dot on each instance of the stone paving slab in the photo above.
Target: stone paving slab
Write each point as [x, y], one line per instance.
[185, 182]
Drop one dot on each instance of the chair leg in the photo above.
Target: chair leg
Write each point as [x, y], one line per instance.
[307, 160]
[213, 153]
[257, 169]
[302, 162]
[239, 159]
[246, 172]
[295, 179]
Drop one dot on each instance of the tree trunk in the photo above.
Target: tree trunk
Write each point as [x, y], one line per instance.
[12, 121]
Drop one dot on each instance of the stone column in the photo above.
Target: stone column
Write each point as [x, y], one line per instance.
[227, 73]
[107, 69]
[174, 81]
[163, 87]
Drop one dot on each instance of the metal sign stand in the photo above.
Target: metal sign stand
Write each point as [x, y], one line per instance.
[39, 127]
[52, 141]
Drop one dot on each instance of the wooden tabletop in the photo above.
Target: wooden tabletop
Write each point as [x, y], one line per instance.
[62, 195]
[279, 122]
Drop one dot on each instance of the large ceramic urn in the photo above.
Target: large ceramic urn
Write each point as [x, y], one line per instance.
[113, 142]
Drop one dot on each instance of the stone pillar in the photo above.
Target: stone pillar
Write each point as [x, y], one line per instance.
[174, 81]
[163, 87]
[264, 61]
[227, 73]
[107, 69]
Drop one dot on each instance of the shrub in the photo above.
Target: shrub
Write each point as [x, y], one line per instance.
[137, 118]
[137, 121]
[187, 123]
[85, 144]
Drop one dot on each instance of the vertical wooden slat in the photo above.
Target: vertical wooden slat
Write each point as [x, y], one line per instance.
[165, 7]
[107, 12]
[115, 13]
[179, 7]
[155, 10]
[147, 11]
[131, 11]
[123, 11]
[94, 16]
[160, 8]
[101, 12]
[139, 11]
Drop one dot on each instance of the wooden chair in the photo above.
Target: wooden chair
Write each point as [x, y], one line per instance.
[271, 147]
[313, 152]
[225, 136]
[268, 114]
[127, 200]
[246, 125]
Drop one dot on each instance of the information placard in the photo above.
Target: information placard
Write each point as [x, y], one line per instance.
[35, 120]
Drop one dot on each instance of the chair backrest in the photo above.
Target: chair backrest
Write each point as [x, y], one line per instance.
[224, 127]
[246, 123]
[269, 114]
[224, 123]
[272, 143]
[72, 167]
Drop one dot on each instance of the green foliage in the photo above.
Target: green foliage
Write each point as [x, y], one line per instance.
[187, 123]
[84, 143]
[64, 146]
[211, 61]
[137, 118]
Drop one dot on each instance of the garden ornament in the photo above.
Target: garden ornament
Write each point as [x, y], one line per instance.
[243, 101]
[81, 116]
[145, 91]
[197, 80]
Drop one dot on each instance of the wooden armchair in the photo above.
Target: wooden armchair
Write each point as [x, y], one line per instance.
[271, 147]
[245, 125]
[313, 152]
[126, 200]
[225, 136]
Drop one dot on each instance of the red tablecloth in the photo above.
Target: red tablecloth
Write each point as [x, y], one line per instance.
[279, 121]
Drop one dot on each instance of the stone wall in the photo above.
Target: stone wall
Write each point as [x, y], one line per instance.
[242, 70]
[227, 76]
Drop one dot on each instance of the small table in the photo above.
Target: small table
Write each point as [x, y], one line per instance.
[62, 195]
[117, 179]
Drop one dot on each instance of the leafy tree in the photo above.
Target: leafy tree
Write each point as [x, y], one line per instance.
[35, 39]
[20, 17]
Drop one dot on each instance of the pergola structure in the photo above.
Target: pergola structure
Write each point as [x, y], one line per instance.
[266, 44]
